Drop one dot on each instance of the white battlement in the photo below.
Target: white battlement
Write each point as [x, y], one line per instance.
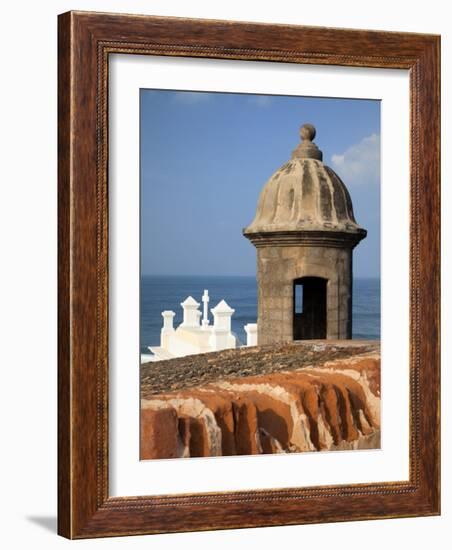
[193, 336]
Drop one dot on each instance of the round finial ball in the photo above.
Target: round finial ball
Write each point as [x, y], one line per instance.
[307, 132]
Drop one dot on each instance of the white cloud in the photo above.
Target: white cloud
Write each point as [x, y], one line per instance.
[192, 98]
[360, 163]
[261, 100]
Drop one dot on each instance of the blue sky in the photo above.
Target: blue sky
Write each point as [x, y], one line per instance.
[206, 156]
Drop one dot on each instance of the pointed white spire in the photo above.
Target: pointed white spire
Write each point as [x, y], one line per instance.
[222, 307]
[222, 314]
[190, 301]
[191, 313]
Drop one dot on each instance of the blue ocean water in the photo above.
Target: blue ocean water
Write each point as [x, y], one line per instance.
[167, 292]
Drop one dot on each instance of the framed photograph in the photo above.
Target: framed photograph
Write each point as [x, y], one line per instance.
[248, 275]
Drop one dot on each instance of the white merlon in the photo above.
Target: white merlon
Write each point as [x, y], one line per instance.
[251, 334]
[222, 314]
[222, 337]
[167, 329]
[191, 317]
[168, 317]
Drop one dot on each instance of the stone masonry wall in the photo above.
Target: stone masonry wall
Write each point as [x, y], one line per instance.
[279, 266]
[315, 405]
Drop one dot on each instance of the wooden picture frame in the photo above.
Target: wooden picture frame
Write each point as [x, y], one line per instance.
[86, 40]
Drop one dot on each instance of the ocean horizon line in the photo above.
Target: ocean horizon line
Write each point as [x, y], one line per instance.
[166, 292]
[203, 275]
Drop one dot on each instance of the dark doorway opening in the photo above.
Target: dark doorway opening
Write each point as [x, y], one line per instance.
[309, 308]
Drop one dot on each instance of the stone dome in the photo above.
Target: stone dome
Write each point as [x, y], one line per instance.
[305, 196]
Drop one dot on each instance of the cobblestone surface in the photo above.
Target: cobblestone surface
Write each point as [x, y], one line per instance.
[191, 371]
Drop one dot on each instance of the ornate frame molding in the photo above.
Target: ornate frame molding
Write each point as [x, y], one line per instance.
[85, 42]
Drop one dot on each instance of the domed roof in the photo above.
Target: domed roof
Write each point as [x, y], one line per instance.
[305, 196]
